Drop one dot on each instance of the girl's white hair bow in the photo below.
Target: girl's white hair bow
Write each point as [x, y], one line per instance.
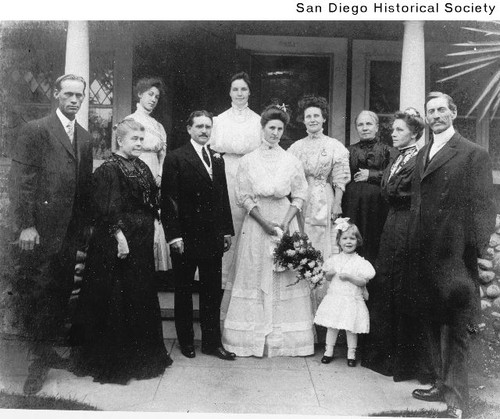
[341, 224]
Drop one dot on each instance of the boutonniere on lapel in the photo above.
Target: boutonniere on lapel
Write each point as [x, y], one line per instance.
[217, 156]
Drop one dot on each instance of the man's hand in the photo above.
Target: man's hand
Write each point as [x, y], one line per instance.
[28, 238]
[227, 243]
[178, 247]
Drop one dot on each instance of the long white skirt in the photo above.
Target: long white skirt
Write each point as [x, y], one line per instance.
[261, 314]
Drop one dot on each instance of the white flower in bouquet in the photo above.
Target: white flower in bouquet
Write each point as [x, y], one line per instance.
[312, 264]
[302, 250]
[296, 245]
[290, 266]
[308, 274]
[303, 261]
[290, 252]
[315, 279]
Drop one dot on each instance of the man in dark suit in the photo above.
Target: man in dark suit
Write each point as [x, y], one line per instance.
[453, 216]
[49, 186]
[198, 226]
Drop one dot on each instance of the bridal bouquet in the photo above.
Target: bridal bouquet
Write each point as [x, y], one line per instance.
[296, 253]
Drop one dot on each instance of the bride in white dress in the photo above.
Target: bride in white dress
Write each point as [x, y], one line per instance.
[154, 148]
[236, 132]
[262, 315]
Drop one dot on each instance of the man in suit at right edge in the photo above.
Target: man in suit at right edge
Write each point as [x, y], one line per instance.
[453, 215]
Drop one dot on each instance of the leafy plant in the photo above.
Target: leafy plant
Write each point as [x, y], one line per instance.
[478, 56]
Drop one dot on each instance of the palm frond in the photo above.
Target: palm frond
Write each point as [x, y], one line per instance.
[477, 57]
[485, 31]
[471, 61]
[493, 96]
[474, 52]
[461, 73]
[495, 108]
[476, 44]
[494, 80]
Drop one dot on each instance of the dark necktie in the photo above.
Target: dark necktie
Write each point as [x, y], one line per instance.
[205, 156]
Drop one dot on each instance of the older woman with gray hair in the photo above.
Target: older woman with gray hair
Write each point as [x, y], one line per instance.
[362, 201]
[118, 321]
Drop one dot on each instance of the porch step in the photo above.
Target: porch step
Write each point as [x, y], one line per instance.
[169, 332]
[166, 299]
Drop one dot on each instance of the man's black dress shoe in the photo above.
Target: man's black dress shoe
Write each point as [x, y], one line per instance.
[351, 362]
[326, 359]
[221, 353]
[454, 412]
[188, 351]
[432, 394]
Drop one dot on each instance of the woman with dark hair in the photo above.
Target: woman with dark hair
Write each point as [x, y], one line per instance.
[262, 314]
[362, 201]
[148, 92]
[236, 132]
[119, 324]
[326, 166]
[392, 348]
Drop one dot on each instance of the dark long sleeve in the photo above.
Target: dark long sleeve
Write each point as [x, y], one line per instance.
[25, 176]
[170, 198]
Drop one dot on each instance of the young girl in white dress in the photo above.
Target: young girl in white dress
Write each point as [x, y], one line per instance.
[344, 307]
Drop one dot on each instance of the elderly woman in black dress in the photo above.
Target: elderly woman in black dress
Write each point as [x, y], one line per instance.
[119, 324]
[362, 201]
[392, 348]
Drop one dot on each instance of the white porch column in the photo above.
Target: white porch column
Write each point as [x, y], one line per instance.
[78, 61]
[412, 91]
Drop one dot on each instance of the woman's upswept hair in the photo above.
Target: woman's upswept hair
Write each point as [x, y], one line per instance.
[412, 119]
[274, 112]
[125, 126]
[146, 83]
[354, 228]
[241, 76]
[312, 101]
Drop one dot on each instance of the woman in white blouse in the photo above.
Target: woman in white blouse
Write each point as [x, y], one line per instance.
[235, 132]
[262, 314]
[154, 148]
[326, 166]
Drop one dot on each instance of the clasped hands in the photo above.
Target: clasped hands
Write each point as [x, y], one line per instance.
[270, 227]
[28, 238]
[361, 175]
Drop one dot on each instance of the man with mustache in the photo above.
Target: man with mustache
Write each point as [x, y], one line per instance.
[49, 192]
[196, 214]
[453, 215]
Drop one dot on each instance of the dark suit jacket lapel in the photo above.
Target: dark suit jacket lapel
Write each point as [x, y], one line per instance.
[79, 138]
[192, 157]
[442, 156]
[59, 132]
[420, 161]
